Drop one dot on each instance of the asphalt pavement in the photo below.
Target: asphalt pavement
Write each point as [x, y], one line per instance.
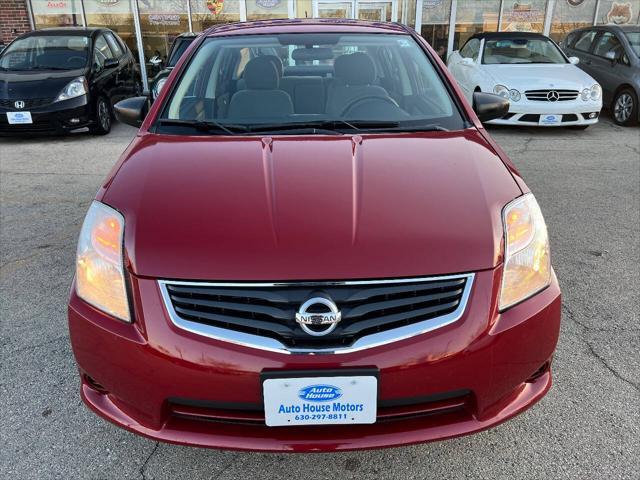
[588, 426]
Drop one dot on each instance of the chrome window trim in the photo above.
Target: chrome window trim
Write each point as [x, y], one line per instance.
[273, 345]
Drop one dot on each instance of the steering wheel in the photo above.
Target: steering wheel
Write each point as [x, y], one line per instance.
[76, 58]
[368, 98]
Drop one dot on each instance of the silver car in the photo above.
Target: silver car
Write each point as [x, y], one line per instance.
[611, 55]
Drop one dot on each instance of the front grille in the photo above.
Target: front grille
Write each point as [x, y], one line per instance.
[269, 310]
[28, 102]
[455, 402]
[543, 95]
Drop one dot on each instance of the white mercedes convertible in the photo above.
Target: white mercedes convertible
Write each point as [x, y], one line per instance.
[544, 87]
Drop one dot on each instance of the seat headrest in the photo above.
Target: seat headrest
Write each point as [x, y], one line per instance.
[355, 69]
[261, 74]
[277, 62]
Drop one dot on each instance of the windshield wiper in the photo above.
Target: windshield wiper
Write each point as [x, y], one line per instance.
[321, 126]
[43, 67]
[205, 126]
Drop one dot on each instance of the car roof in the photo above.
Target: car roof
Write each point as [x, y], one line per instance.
[305, 25]
[76, 31]
[506, 35]
[611, 28]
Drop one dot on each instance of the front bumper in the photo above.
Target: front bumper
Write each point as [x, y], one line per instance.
[172, 385]
[54, 118]
[574, 113]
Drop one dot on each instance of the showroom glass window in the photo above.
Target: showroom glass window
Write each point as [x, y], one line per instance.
[524, 16]
[113, 14]
[48, 14]
[568, 16]
[475, 16]
[205, 14]
[435, 24]
[161, 21]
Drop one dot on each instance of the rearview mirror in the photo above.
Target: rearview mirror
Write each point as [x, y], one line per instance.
[574, 60]
[111, 63]
[132, 110]
[489, 106]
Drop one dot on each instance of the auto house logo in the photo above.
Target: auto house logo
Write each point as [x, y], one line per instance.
[312, 321]
[19, 104]
[320, 393]
[553, 96]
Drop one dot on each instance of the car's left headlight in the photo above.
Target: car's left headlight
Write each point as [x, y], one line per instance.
[99, 262]
[527, 263]
[75, 88]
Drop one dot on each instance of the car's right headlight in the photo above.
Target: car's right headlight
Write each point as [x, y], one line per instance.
[527, 263]
[158, 86]
[502, 91]
[99, 262]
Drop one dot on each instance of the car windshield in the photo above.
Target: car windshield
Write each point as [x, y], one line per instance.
[178, 49]
[521, 50]
[309, 83]
[46, 52]
[634, 41]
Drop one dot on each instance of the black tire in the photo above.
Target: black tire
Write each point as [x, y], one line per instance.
[624, 108]
[102, 120]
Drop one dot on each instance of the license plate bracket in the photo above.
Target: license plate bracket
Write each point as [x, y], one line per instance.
[19, 118]
[320, 397]
[550, 119]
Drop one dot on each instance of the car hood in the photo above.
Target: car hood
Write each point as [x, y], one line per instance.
[540, 76]
[25, 85]
[314, 207]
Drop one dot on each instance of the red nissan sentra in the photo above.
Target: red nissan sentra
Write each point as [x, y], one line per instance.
[312, 244]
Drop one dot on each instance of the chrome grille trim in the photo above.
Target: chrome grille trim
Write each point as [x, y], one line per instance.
[541, 95]
[273, 345]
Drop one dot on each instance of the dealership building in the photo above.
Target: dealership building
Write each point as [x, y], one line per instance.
[149, 26]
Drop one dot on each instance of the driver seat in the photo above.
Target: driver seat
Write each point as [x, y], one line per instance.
[354, 75]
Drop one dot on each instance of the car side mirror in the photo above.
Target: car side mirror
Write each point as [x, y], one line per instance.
[574, 60]
[489, 106]
[467, 61]
[132, 110]
[111, 63]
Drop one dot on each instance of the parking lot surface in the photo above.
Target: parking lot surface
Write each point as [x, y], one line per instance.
[588, 426]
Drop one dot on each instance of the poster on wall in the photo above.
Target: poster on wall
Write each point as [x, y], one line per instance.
[523, 17]
[620, 13]
[215, 6]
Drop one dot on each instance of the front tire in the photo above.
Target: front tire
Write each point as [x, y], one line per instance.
[625, 107]
[102, 121]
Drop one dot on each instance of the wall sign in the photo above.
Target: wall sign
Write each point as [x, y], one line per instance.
[163, 19]
[268, 4]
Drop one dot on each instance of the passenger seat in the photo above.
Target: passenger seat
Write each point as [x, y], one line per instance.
[262, 97]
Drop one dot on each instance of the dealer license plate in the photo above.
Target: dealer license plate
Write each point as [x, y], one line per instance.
[320, 400]
[550, 120]
[19, 118]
